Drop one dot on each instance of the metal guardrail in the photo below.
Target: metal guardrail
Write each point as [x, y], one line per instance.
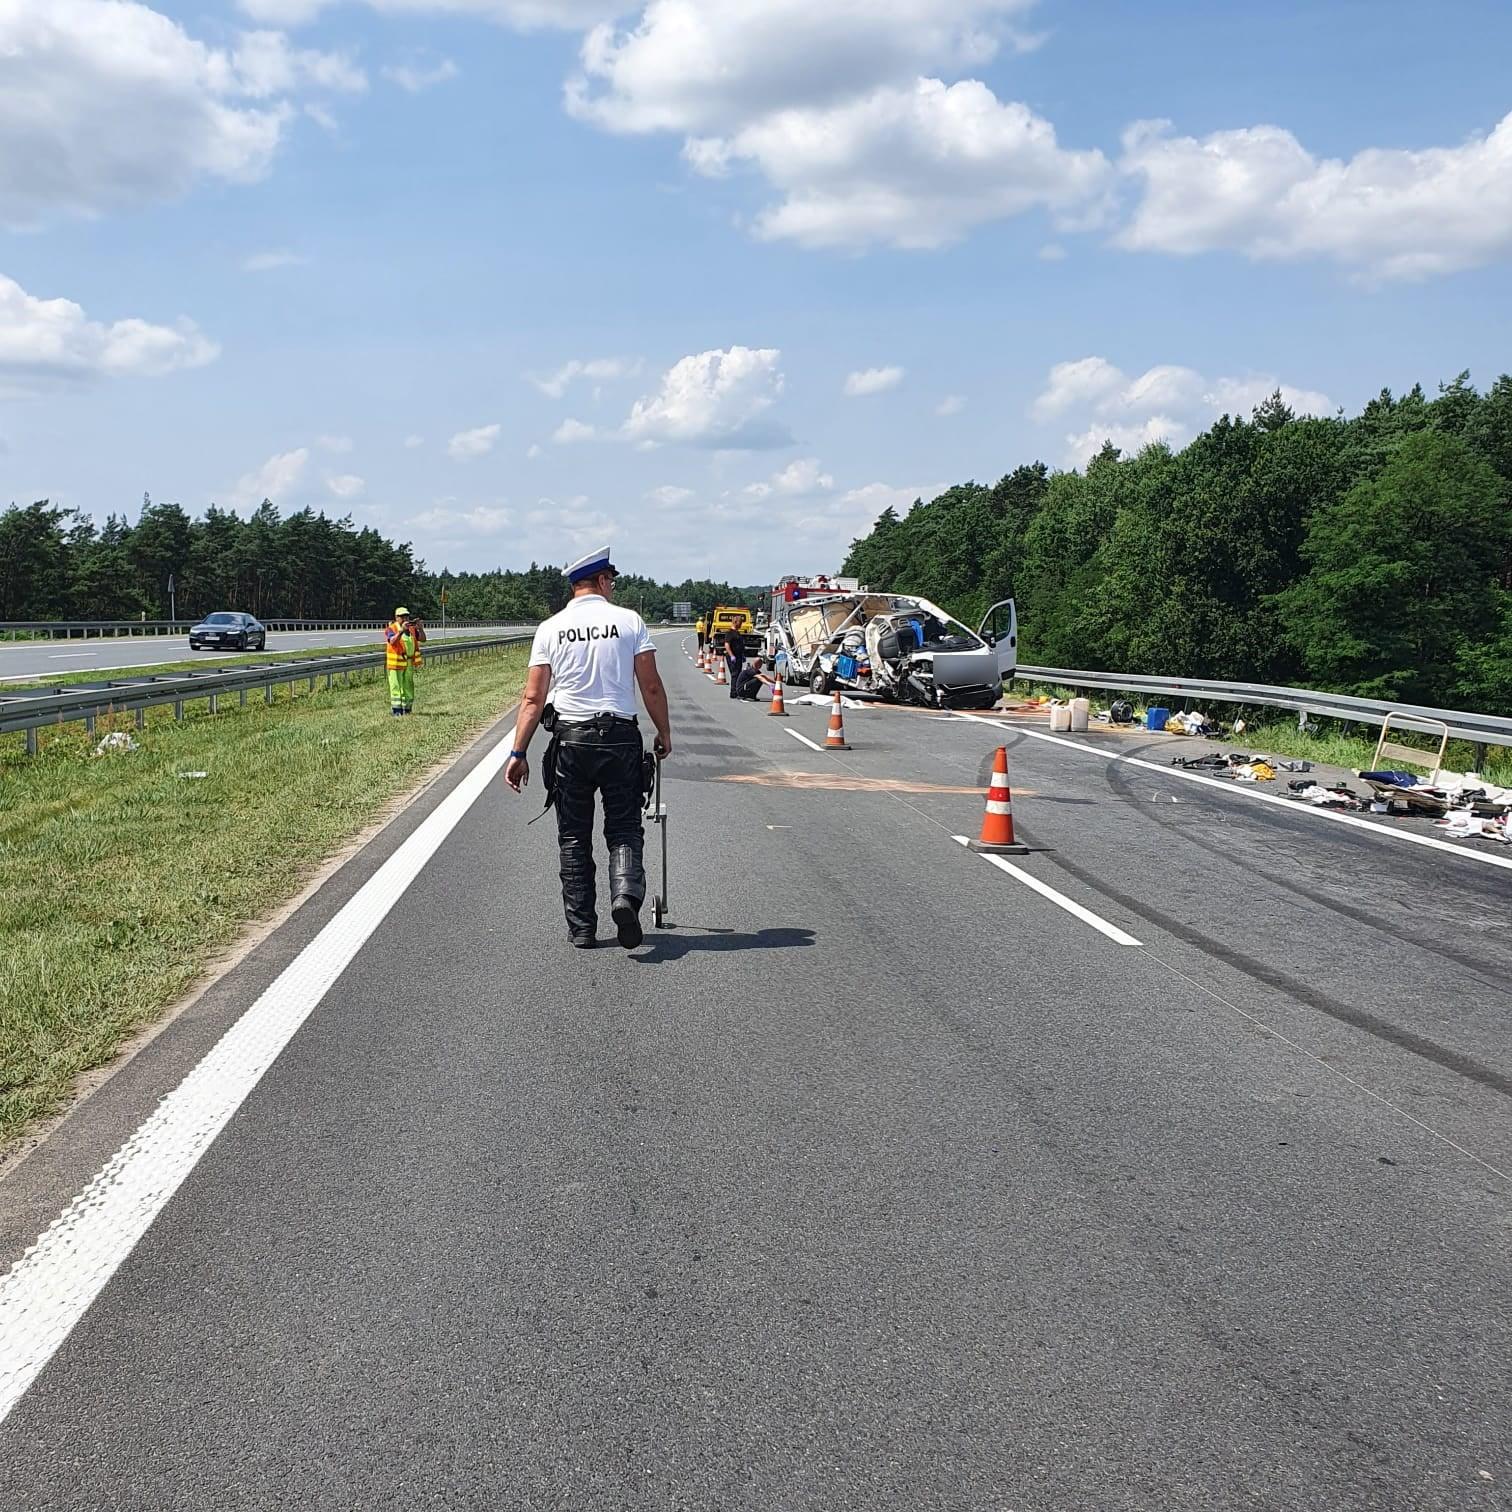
[68, 629]
[1481, 729]
[33, 710]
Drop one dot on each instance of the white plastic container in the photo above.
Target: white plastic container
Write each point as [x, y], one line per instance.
[1060, 717]
[1081, 712]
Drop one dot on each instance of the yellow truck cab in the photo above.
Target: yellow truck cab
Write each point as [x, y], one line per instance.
[726, 618]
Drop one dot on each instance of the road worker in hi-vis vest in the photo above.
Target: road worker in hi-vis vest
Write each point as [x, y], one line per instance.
[590, 659]
[402, 641]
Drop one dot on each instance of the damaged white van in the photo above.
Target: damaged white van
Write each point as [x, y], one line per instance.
[893, 646]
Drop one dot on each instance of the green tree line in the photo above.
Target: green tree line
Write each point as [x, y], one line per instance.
[57, 564]
[1369, 554]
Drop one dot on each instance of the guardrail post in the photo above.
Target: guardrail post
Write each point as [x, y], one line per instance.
[141, 719]
[89, 724]
[178, 708]
[214, 703]
[31, 742]
[244, 698]
[268, 694]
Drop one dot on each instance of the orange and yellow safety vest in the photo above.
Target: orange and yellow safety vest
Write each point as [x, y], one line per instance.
[402, 648]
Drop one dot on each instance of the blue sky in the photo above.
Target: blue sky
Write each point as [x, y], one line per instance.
[715, 279]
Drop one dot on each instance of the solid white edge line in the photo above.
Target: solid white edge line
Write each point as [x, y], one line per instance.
[1246, 791]
[52, 1285]
[1101, 925]
[804, 738]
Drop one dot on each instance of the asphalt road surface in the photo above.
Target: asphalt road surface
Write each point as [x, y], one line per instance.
[880, 1180]
[23, 660]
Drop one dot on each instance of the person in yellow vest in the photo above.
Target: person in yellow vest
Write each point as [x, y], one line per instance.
[702, 627]
[403, 639]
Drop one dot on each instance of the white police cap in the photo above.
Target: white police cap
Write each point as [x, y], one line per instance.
[591, 565]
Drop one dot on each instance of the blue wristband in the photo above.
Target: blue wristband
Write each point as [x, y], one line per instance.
[517, 754]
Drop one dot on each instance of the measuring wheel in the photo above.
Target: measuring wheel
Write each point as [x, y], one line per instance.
[656, 813]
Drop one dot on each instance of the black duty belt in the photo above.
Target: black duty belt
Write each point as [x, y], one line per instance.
[600, 721]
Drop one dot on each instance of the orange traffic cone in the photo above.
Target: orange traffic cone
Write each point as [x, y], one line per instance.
[835, 740]
[720, 680]
[997, 821]
[777, 707]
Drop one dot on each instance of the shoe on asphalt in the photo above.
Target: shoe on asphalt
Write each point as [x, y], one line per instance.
[627, 924]
[583, 941]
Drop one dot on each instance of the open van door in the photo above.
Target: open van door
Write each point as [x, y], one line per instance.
[999, 628]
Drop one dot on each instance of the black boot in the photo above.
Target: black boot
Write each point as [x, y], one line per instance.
[627, 888]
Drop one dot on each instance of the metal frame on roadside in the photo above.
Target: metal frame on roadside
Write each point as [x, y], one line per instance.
[1480, 729]
[31, 712]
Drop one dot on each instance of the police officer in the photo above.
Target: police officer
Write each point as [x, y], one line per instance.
[591, 657]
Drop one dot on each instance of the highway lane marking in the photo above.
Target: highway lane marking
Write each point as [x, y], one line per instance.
[51, 1287]
[804, 738]
[1100, 924]
[1288, 804]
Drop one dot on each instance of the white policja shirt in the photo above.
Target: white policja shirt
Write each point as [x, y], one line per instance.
[591, 648]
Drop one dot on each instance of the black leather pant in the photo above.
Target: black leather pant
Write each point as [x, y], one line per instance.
[599, 757]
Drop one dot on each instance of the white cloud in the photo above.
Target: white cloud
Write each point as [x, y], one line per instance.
[468, 444]
[833, 105]
[570, 431]
[596, 369]
[412, 442]
[1384, 213]
[346, 485]
[715, 399]
[275, 479]
[338, 444]
[450, 522]
[108, 105]
[47, 341]
[914, 166]
[670, 496]
[264, 65]
[1165, 403]
[713, 66]
[951, 404]
[1052, 252]
[533, 451]
[804, 476]
[267, 262]
[526, 15]
[415, 79]
[872, 381]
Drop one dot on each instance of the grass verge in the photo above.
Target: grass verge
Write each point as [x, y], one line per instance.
[125, 877]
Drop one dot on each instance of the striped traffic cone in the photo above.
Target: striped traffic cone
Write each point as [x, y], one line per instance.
[997, 821]
[777, 707]
[720, 680]
[835, 740]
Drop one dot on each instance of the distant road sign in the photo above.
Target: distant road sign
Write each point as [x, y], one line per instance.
[681, 610]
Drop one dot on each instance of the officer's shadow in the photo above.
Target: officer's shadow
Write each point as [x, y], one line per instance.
[673, 947]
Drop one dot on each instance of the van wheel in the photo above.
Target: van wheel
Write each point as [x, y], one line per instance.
[818, 682]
